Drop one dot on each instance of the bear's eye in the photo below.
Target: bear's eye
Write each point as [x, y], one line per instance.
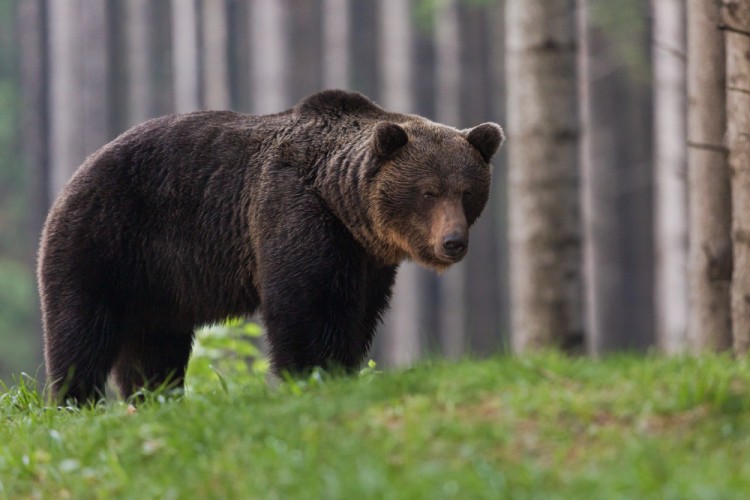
[467, 195]
[428, 195]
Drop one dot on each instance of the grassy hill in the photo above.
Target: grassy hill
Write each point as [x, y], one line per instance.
[528, 427]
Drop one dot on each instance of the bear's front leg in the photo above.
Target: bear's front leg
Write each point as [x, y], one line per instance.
[313, 300]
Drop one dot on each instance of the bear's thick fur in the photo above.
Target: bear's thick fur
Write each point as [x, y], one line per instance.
[186, 220]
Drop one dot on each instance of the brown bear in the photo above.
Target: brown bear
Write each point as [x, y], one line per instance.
[304, 215]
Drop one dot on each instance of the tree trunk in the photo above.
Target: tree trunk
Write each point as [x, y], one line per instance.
[598, 212]
[239, 56]
[148, 37]
[670, 171]
[481, 264]
[498, 101]
[710, 207]
[635, 109]
[607, 178]
[403, 323]
[736, 24]
[215, 58]
[545, 234]
[78, 85]
[336, 42]
[95, 68]
[304, 19]
[138, 18]
[452, 308]
[269, 56]
[34, 131]
[365, 46]
[185, 56]
[64, 41]
[34, 113]
[396, 55]
[160, 53]
[117, 73]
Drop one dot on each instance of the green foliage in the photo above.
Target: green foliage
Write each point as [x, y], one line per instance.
[424, 11]
[12, 175]
[227, 355]
[16, 317]
[625, 23]
[544, 426]
[17, 324]
[25, 397]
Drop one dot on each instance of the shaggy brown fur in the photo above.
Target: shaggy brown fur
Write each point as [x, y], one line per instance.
[186, 220]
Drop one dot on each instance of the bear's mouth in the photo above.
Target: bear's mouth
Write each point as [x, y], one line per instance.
[451, 258]
[441, 259]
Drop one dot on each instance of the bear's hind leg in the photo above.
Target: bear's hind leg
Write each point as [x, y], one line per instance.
[152, 360]
[79, 354]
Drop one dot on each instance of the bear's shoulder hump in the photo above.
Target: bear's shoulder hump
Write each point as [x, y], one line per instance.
[337, 102]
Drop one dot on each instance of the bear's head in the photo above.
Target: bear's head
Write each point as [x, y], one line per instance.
[430, 184]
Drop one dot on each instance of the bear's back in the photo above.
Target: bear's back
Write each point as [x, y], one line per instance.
[340, 103]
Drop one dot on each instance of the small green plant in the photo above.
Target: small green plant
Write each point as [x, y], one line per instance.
[369, 371]
[227, 355]
[24, 396]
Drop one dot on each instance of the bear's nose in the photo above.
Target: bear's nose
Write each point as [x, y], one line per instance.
[454, 244]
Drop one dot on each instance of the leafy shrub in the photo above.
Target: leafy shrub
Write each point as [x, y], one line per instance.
[227, 355]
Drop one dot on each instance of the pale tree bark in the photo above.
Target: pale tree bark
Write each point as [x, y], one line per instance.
[543, 130]
[736, 25]
[34, 129]
[66, 150]
[215, 67]
[401, 339]
[78, 85]
[452, 311]
[117, 72]
[95, 68]
[394, 25]
[710, 207]
[269, 56]
[148, 39]
[185, 56]
[670, 170]
[34, 113]
[336, 40]
[138, 18]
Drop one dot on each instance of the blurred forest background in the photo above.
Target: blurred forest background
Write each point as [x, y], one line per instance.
[76, 73]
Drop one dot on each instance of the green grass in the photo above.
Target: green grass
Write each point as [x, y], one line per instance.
[533, 427]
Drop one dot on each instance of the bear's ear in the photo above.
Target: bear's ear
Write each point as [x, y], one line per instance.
[388, 139]
[487, 138]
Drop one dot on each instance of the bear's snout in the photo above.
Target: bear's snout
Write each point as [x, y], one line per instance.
[455, 244]
[450, 230]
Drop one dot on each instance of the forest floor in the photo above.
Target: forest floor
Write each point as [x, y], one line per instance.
[543, 426]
